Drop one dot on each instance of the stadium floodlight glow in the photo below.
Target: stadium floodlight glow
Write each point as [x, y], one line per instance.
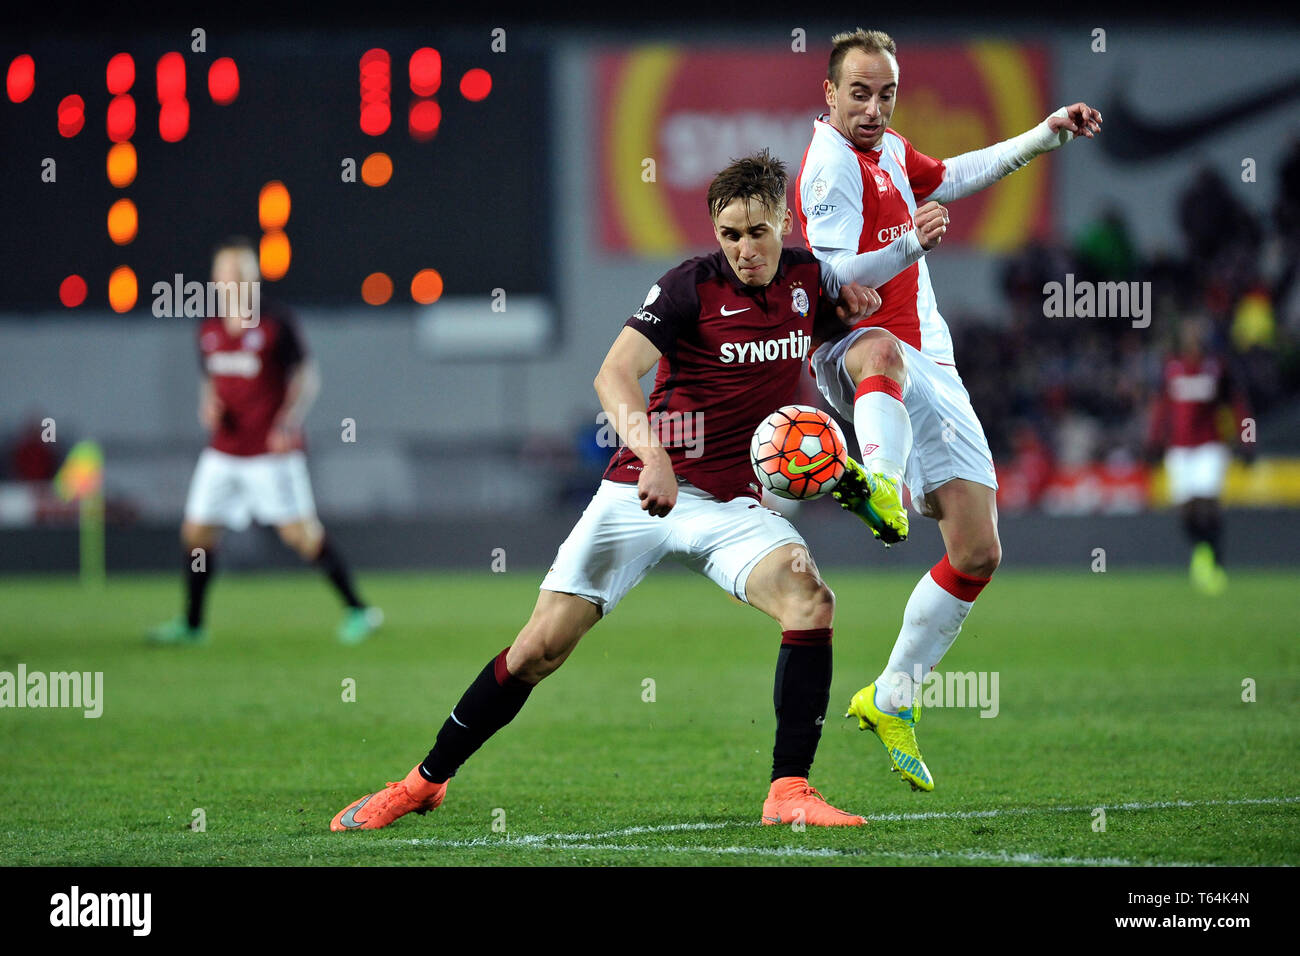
[376, 288]
[426, 71]
[223, 81]
[476, 84]
[423, 120]
[120, 73]
[377, 170]
[174, 120]
[123, 289]
[123, 222]
[120, 118]
[72, 115]
[21, 78]
[273, 206]
[72, 291]
[171, 77]
[121, 165]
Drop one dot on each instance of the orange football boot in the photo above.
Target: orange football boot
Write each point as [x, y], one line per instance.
[414, 794]
[791, 800]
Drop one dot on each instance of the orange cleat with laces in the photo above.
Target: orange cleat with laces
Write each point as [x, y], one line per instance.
[414, 794]
[792, 800]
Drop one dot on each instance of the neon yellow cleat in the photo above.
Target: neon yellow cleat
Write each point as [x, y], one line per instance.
[875, 499]
[1207, 576]
[897, 735]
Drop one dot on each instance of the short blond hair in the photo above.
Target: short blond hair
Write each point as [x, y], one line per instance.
[868, 41]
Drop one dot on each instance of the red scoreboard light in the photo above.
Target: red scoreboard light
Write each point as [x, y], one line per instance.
[21, 78]
[171, 77]
[376, 88]
[120, 120]
[174, 120]
[424, 119]
[72, 291]
[120, 74]
[476, 84]
[426, 71]
[72, 115]
[223, 81]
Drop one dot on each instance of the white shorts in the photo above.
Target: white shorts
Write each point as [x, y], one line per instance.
[947, 439]
[1196, 472]
[615, 543]
[228, 490]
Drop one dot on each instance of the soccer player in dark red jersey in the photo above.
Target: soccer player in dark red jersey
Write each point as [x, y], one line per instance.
[256, 387]
[1184, 422]
[730, 333]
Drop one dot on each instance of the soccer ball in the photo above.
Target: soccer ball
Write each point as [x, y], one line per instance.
[798, 452]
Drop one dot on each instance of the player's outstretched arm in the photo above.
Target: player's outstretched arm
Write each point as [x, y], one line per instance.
[971, 172]
[618, 385]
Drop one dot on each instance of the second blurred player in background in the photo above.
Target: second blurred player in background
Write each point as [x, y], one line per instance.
[257, 384]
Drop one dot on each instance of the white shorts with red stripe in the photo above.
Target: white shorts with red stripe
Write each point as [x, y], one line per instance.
[615, 543]
[1196, 472]
[947, 439]
[229, 490]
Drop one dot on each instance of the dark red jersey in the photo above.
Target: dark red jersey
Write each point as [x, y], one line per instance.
[1192, 391]
[250, 375]
[732, 354]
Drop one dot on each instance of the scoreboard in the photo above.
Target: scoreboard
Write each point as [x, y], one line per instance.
[369, 168]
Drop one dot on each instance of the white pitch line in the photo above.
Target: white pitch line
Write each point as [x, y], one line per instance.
[1001, 856]
[587, 841]
[1021, 811]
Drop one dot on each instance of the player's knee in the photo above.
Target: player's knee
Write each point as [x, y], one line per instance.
[878, 353]
[539, 650]
[197, 536]
[979, 560]
[813, 606]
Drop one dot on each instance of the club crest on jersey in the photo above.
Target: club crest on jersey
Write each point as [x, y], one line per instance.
[799, 300]
[882, 183]
[253, 340]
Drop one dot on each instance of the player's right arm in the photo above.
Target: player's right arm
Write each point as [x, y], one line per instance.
[618, 385]
[833, 199]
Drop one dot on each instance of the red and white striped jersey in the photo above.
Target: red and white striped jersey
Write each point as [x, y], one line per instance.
[853, 201]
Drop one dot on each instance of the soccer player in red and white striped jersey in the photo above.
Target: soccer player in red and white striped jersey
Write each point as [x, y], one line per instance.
[871, 208]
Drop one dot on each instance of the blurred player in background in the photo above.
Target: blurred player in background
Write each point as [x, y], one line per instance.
[256, 386]
[691, 497]
[894, 375]
[1184, 422]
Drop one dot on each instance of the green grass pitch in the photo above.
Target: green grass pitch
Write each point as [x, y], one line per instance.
[1120, 690]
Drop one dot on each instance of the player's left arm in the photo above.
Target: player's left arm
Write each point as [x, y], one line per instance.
[971, 172]
[300, 392]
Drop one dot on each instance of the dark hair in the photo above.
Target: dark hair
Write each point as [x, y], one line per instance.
[868, 41]
[758, 176]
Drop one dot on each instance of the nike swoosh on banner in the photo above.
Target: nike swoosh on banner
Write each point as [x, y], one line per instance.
[724, 311]
[775, 819]
[349, 819]
[1126, 135]
[800, 469]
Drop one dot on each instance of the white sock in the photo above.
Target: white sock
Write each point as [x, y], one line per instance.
[931, 622]
[883, 427]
